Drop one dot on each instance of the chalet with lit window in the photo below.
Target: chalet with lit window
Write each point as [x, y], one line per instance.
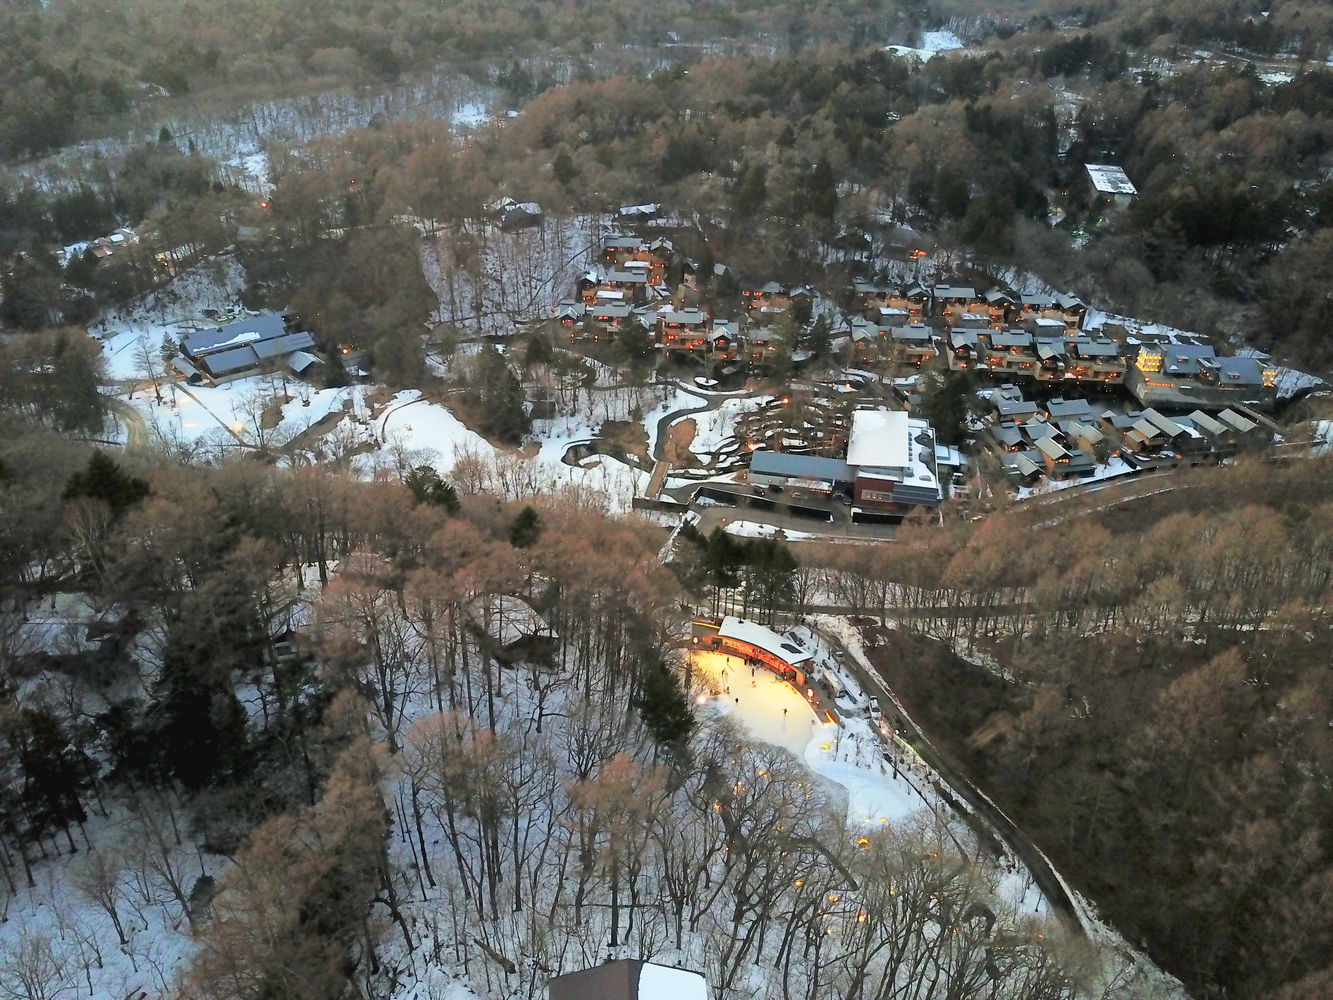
[912, 344]
[760, 345]
[774, 298]
[951, 301]
[918, 302]
[868, 339]
[1009, 352]
[756, 644]
[618, 249]
[1000, 307]
[606, 318]
[1060, 462]
[1057, 409]
[971, 321]
[682, 329]
[569, 315]
[963, 349]
[1094, 359]
[1068, 310]
[1089, 439]
[870, 296]
[724, 340]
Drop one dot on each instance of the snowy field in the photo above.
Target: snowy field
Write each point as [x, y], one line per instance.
[427, 432]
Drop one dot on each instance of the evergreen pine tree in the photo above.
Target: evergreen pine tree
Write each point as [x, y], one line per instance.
[664, 708]
[525, 529]
[104, 480]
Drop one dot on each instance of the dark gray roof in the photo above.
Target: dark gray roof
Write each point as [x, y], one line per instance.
[1085, 347]
[244, 331]
[1014, 407]
[1068, 409]
[915, 333]
[1006, 338]
[286, 344]
[238, 359]
[961, 292]
[1183, 359]
[776, 463]
[1240, 371]
[925, 495]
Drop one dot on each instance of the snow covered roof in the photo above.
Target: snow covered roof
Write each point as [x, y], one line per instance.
[649, 209]
[879, 438]
[244, 331]
[763, 638]
[1108, 179]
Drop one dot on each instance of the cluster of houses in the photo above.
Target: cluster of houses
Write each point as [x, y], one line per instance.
[1042, 337]
[101, 248]
[1073, 438]
[630, 285]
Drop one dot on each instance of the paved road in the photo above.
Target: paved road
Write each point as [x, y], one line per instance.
[1042, 873]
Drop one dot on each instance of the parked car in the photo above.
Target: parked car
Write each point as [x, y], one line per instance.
[874, 710]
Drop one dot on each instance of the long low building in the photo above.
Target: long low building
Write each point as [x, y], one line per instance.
[821, 475]
[244, 346]
[742, 637]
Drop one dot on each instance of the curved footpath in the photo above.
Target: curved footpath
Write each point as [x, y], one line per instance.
[1043, 874]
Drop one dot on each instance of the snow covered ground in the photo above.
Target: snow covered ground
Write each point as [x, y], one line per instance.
[1113, 468]
[847, 754]
[932, 44]
[428, 432]
[754, 529]
[715, 429]
[176, 307]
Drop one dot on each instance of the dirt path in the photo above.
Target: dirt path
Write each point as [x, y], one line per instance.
[136, 428]
[679, 438]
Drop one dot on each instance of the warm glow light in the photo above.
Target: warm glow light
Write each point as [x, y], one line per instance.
[702, 699]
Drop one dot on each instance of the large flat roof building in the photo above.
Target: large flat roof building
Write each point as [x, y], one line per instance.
[894, 458]
[1112, 182]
